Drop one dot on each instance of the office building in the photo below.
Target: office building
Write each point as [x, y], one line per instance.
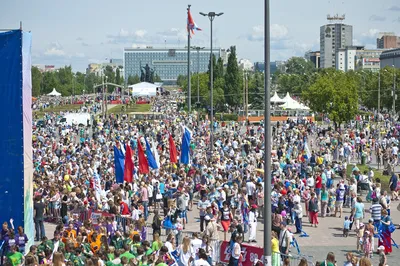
[168, 64]
[368, 59]
[387, 40]
[390, 58]
[345, 58]
[333, 37]
[314, 57]
[97, 68]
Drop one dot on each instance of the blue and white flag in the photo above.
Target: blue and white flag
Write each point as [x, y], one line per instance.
[155, 152]
[307, 151]
[185, 147]
[150, 157]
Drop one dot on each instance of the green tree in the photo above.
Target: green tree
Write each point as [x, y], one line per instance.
[110, 74]
[133, 80]
[256, 90]
[37, 78]
[219, 69]
[299, 66]
[334, 95]
[50, 81]
[118, 79]
[182, 81]
[233, 80]
[215, 70]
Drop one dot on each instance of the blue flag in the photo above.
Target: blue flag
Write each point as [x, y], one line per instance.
[185, 148]
[150, 156]
[119, 160]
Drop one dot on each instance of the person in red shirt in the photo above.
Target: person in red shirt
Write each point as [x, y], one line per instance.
[318, 185]
[124, 208]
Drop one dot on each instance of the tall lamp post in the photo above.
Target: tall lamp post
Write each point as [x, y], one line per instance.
[394, 91]
[267, 137]
[211, 16]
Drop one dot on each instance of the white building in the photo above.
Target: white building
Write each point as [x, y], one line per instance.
[346, 58]
[246, 64]
[357, 57]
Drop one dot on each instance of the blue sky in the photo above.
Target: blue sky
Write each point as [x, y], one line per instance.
[80, 32]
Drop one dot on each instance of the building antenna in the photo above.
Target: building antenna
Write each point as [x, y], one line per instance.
[165, 42]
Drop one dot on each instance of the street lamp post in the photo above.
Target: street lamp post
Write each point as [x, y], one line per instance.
[211, 16]
[394, 91]
[267, 139]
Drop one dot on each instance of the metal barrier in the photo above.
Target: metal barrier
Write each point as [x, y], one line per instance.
[293, 260]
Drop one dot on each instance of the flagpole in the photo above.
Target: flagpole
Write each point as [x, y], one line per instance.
[188, 63]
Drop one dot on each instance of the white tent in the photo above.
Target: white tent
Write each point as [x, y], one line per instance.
[276, 99]
[54, 93]
[290, 103]
[143, 89]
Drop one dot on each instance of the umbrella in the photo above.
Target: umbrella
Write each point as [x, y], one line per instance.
[260, 170]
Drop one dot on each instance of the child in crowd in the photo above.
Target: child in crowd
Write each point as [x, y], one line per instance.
[346, 226]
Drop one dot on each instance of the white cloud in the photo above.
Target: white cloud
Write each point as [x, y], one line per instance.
[372, 33]
[278, 32]
[53, 51]
[123, 33]
[80, 55]
[140, 33]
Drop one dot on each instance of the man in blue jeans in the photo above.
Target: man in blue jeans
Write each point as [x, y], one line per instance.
[38, 217]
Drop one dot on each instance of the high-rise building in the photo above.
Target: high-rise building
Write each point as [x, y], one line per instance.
[387, 40]
[167, 63]
[346, 58]
[314, 57]
[333, 37]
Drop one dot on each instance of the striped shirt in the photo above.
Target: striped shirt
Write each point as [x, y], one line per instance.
[375, 210]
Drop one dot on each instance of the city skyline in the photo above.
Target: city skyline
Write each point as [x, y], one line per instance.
[75, 33]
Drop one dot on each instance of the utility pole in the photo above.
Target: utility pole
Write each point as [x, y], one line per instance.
[106, 96]
[267, 138]
[247, 96]
[188, 64]
[394, 91]
[379, 93]
[244, 96]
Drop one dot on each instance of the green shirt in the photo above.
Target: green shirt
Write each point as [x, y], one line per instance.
[128, 255]
[155, 246]
[15, 258]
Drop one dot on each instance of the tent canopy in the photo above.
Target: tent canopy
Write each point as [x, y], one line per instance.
[276, 99]
[290, 103]
[54, 93]
[143, 89]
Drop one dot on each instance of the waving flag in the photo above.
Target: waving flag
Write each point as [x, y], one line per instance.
[143, 163]
[155, 152]
[150, 156]
[119, 164]
[185, 147]
[173, 154]
[129, 166]
[307, 152]
[191, 24]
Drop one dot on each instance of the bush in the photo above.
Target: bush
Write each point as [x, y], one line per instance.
[377, 174]
[226, 117]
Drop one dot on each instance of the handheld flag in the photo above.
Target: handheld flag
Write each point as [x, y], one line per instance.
[143, 163]
[307, 151]
[185, 148]
[191, 25]
[119, 165]
[155, 152]
[173, 154]
[150, 156]
[129, 166]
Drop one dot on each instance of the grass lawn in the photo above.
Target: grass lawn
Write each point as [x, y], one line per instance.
[131, 108]
[57, 109]
[377, 174]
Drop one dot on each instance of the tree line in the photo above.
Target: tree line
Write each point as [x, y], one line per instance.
[67, 82]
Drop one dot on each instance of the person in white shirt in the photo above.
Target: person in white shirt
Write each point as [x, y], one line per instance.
[251, 188]
[253, 215]
[185, 251]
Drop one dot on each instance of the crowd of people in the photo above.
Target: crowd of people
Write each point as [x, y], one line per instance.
[143, 222]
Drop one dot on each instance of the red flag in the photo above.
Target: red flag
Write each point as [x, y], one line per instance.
[143, 163]
[173, 154]
[128, 168]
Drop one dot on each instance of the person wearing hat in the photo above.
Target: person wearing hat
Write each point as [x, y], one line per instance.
[382, 256]
[298, 210]
[340, 192]
[253, 215]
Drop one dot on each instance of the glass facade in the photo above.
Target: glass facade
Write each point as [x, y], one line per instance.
[166, 63]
